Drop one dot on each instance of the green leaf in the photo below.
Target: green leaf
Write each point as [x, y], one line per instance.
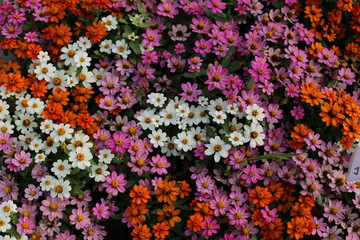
[181, 201]
[140, 7]
[135, 47]
[117, 216]
[145, 25]
[12, 232]
[284, 156]
[319, 200]
[234, 66]
[76, 191]
[75, 171]
[193, 74]
[127, 30]
[278, 4]
[78, 71]
[122, 20]
[130, 183]
[226, 60]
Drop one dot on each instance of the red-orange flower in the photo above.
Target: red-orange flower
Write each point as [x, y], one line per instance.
[273, 230]
[331, 114]
[260, 196]
[167, 191]
[136, 213]
[169, 215]
[351, 127]
[195, 222]
[139, 194]
[311, 94]
[62, 34]
[296, 228]
[160, 230]
[96, 32]
[141, 232]
[14, 82]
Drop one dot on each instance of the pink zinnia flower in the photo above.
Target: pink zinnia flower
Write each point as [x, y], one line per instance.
[119, 143]
[65, 236]
[114, 183]
[101, 211]
[259, 70]
[167, 9]
[32, 192]
[139, 163]
[8, 189]
[79, 218]
[252, 174]
[203, 47]
[151, 38]
[5, 141]
[220, 204]
[159, 164]
[217, 76]
[210, 227]
[190, 92]
[327, 57]
[22, 160]
[238, 216]
[216, 6]
[269, 214]
[53, 208]
[313, 142]
[25, 225]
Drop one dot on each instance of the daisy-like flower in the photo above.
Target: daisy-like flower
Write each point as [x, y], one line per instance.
[79, 218]
[185, 141]
[254, 135]
[121, 48]
[82, 59]
[32, 192]
[69, 53]
[255, 113]
[236, 138]
[83, 43]
[99, 172]
[158, 138]
[47, 183]
[334, 211]
[61, 189]
[80, 158]
[45, 71]
[7, 207]
[110, 22]
[156, 99]
[4, 109]
[313, 142]
[25, 123]
[105, 156]
[159, 164]
[219, 117]
[61, 168]
[61, 132]
[115, 183]
[217, 147]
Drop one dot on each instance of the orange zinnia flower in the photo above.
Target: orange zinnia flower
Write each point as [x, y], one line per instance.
[298, 211]
[273, 230]
[257, 218]
[160, 230]
[56, 12]
[315, 47]
[136, 213]
[59, 96]
[352, 49]
[331, 114]
[352, 110]
[20, 49]
[345, 5]
[185, 189]
[296, 228]
[53, 111]
[195, 222]
[311, 94]
[85, 121]
[276, 189]
[33, 51]
[169, 215]
[139, 194]
[167, 191]
[260, 196]
[347, 142]
[62, 34]
[81, 94]
[313, 12]
[68, 117]
[141, 232]
[351, 127]
[335, 16]
[301, 131]
[39, 88]
[307, 201]
[203, 208]
[14, 82]
[96, 32]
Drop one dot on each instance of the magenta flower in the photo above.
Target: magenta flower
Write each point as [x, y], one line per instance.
[220, 204]
[313, 142]
[259, 70]
[167, 9]
[252, 174]
[53, 208]
[149, 57]
[5, 141]
[199, 151]
[159, 164]
[195, 64]
[327, 57]
[16, 17]
[110, 85]
[11, 30]
[114, 183]
[31, 37]
[81, 200]
[346, 76]
[32, 192]
[269, 214]
[21, 160]
[210, 227]
[8, 189]
[139, 163]
[217, 76]
[101, 211]
[25, 225]
[216, 6]
[297, 112]
[79, 218]
[238, 216]
[151, 38]
[205, 184]
[190, 92]
[203, 47]
[65, 236]
[119, 143]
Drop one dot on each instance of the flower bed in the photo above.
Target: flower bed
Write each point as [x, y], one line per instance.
[129, 119]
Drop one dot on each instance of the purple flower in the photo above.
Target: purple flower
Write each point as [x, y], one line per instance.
[334, 211]
[238, 216]
[16, 17]
[159, 164]
[32, 192]
[313, 142]
[110, 85]
[65, 236]
[25, 225]
[203, 47]
[178, 33]
[167, 9]
[205, 184]
[269, 214]
[176, 64]
[114, 183]
[297, 112]
[252, 174]
[220, 204]
[8, 189]
[11, 30]
[217, 76]
[139, 163]
[327, 57]
[5, 141]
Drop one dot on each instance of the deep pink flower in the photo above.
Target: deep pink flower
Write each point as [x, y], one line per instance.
[151, 38]
[101, 211]
[190, 92]
[203, 47]
[252, 174]
[216, 6]
[53, 208]
[210, 227]
[217, 76]
[159, 164]
[25, 225]
[79, 218]
[269, 214]
[114, 183]
[119, 143]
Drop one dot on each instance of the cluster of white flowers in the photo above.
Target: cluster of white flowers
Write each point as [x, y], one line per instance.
[232, 126]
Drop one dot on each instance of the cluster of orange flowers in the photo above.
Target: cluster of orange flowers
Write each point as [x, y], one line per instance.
[300, 223]
[167, 192]
[338, 109]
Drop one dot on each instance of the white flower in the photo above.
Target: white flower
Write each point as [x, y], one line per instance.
[254, 135]
[47, 183]
[236, 139]
[137, 19]
[7, 207]
[217, 105]
[39, 158]
[120, 47]
[203, 101]
[132, 37]
[59, 80]
[156, 99]
[79, 140]
[169, 148]
[193, 116]
[82, 60]
[157, 121]
[69, 53]
[61, 132]
[35, 106]
[61, 168]
[22, 103]
[80, 158]
[43, 57]
[254, 113]
[3, 109]
[233, 108]
[145, 119]
[185, 141]
[105, 46]
[219, 117]
[83, 43]
[26, 139]
[26, 123]
[7, 237]
[158, 138]
[145, 47]
[182, 124]
[217, 147]
[36, 145]
[4, 223]
[6, 127]
[51, 145]
[60, 189]
[199, 134]
[169, 116]
[72, 81]
[47, 126]
[204, 117]
[105, 156]
[183, 110]
[86, 77]
[99, 172]
[110, 21]
[100, 74]
[45, 71]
